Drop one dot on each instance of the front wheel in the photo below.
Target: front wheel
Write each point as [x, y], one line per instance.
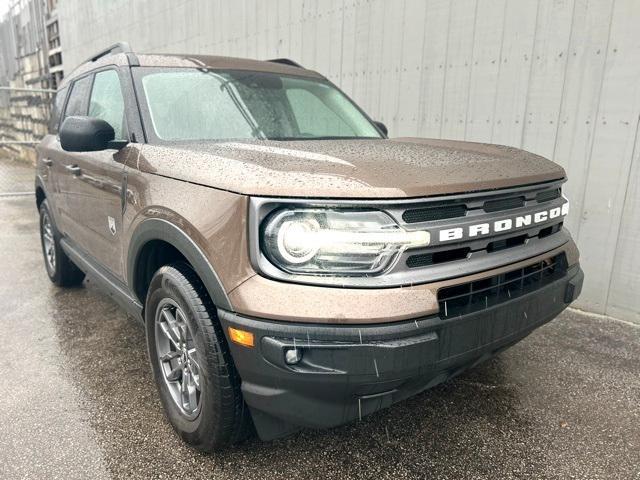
[198, 384]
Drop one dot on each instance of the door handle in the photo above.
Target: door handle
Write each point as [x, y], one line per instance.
[47, 162]
[74, 169]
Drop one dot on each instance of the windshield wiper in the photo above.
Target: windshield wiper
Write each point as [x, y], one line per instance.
[326, 137]
[255, 129]
[236, 80]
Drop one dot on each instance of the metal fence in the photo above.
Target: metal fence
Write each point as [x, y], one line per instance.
[24, 113]
[23, 121]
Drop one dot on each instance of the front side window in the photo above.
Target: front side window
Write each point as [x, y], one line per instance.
[107, 102]
[195, 104]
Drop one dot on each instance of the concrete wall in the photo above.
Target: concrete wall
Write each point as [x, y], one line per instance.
[557, 77]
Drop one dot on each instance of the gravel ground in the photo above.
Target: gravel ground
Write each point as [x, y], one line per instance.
[79, 402]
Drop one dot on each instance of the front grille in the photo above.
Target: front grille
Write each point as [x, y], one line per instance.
[545, 232]
[425, 259]
[447, 209]
[548, 195]
[507, 243]
[461, 253]
[503, 204]
[417, 215]
[481, 294]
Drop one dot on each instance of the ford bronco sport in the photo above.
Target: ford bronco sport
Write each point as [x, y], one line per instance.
[293, 267]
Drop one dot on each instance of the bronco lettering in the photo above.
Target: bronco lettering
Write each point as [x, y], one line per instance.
[502, 225]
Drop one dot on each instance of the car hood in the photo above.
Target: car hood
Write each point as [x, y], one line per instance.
[393, 168]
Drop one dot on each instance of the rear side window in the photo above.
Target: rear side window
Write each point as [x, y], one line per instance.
[79, 97]
[107, 102]
[56, 109]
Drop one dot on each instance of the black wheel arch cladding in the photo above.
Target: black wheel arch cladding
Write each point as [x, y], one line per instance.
[159, 229]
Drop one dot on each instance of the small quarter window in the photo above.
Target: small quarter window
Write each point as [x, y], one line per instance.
[56, 110]
[79, 97]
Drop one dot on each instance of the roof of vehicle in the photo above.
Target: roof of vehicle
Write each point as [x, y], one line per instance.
[282, 66]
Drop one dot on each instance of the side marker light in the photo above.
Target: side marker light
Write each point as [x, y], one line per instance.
[241, 337]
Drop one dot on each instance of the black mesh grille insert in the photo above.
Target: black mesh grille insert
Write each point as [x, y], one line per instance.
[503, 204]
[425, 259]
[507, 243]
[428, 214]
[545, 232]
[475, 296]
[548, 195]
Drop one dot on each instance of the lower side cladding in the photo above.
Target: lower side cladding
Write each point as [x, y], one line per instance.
[346, 372]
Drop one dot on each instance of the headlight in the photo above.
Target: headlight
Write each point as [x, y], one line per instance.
[338, 242]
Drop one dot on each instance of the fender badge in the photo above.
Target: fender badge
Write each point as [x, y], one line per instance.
[112, 225]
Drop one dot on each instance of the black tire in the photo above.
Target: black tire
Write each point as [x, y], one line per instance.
[61, 271]
[222, 417]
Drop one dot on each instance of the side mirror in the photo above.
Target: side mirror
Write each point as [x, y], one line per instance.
[382, 127]
[87, 134]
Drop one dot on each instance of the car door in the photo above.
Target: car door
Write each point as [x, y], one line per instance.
[94, 181]
[62, 161]
[50, 152]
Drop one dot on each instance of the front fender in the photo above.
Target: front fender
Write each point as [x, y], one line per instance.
[160, 229]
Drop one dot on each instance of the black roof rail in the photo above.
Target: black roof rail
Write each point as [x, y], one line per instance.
[285, 61]
[120, 47]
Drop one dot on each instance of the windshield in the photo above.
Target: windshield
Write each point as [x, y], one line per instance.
[194, 104]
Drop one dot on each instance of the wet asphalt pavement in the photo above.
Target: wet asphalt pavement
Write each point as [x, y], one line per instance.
[78, 399]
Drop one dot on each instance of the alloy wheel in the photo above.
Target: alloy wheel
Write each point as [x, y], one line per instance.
[48, 242]
[178, 358]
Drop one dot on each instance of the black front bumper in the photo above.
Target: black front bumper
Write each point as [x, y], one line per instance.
[349, 371]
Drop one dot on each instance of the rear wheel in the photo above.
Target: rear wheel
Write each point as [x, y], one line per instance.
[198, 384]
[60, 269]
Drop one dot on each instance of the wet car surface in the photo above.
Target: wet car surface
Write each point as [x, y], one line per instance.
[79, 400]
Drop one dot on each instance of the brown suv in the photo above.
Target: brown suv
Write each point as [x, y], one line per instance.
[292, 265]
